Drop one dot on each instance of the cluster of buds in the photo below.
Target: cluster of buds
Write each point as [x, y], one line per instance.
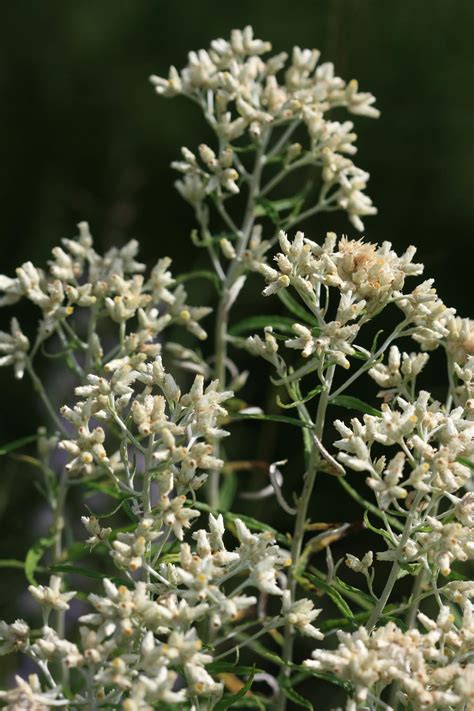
[242, 93]
[218, 174]
[79, 277]
[430, 668]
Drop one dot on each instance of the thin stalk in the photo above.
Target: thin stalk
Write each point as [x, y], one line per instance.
[368, 505]
[392, 578]
[286, 135]
[147, 490]
[91, 328]
[38, 386]
[70, 358]
[58, 527]
[223, 309]
[321, 206]
[368, 364]
[287, 170]
[300, 522]
[248, 640]
[147, 476]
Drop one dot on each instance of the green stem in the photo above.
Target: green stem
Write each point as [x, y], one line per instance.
[368, 505]
[373, 358]
[38, 386]
[300, 523]
[58, 528]
[393, 577]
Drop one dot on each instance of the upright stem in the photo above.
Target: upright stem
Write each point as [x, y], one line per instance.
[58, 528]
[300, 523]
[392, 578]
[224, 305]
[90, 334]
[147, 476]
[147, 492]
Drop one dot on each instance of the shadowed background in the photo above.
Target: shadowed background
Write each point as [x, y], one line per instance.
[83, 137]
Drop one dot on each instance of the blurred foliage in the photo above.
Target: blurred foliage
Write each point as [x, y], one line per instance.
[83, 137]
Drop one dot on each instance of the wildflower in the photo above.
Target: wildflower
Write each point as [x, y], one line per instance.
[14, 637]
[201, 682]
[247, 96]
[50, 647]
[87, 450]
[15, 346]
[333, 342]
[28, 694]
[51, 596]
[97, 534]
[128, 549]
[300, 615]
[360, 566]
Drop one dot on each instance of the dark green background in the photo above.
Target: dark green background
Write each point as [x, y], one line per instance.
[83, 137]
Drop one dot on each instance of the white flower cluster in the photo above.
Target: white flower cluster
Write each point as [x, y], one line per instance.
[175, 600]
[241, 92]
[431, 668]
[217, 174]
[427, 467]
[113, 284]
[367, 274]
[155, 624]
[366, 278]
[400, 373]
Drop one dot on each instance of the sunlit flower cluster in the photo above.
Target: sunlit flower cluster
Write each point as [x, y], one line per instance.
[429, 666]
[243, 93]
[173, 614]
[79, 278]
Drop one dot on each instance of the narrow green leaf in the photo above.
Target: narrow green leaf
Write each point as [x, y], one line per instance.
[455, 576]
[342, 622]
[224, 667]
[374, 345]
[380, 531]
[362, 598]
[17, 444]
[273, 207]
[34, 556]
[254, 702]
[79, 550]
[86, 572]
[353, 403]
[199, 274]
[253, 323]
[325, 676]
[368, 505]
[109, 514]
[103, 488]
[295, 308]
[266, 208]
[231, 699]
[297, 698]
[228, 490]
[335, 596]
[306, 398]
